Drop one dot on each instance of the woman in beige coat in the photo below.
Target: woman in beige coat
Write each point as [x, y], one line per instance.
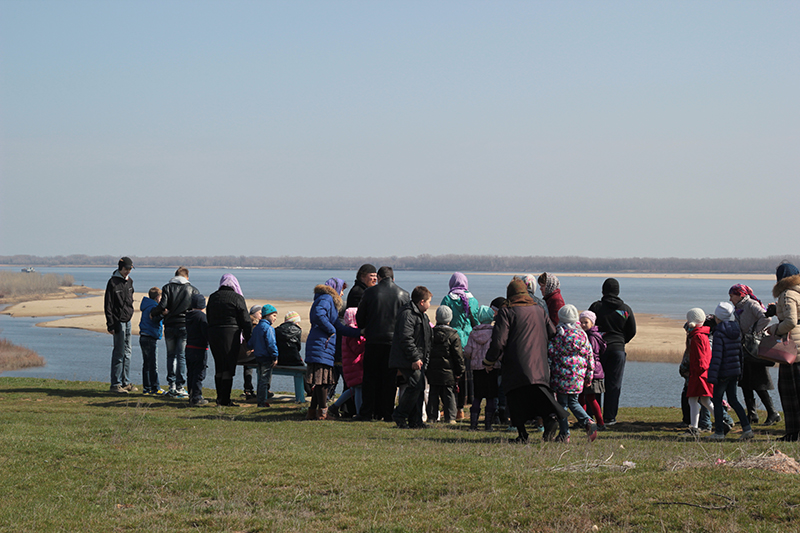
[787, 291]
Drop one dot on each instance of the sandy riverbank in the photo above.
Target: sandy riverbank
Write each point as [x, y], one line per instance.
[658, 338]
[635, 275]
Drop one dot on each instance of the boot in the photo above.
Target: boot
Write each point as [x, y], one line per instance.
[312, 413]
[473, 420]
[322, 414]
[487, 423]
[772, 415]
[460, 414]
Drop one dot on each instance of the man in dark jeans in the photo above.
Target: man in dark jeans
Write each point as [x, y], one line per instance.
[176, 299]
[118, 307]
[376, 316]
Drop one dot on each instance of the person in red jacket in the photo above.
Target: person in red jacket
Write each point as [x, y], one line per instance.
[699, 390]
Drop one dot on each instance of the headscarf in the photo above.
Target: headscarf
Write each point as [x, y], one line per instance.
[517, 294]
[742, 291]
[336, 284]
[551, 284]
[531, 283]
[460, 286]
[229, 280]
[350, 317]
[785, 270]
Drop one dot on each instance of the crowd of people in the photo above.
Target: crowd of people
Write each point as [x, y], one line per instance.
[528, 360]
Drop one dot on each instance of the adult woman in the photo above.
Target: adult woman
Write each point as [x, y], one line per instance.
[465, 308]
[750, 315]
[228, 322]
[787, 291]
[321, 343]
[551, 291]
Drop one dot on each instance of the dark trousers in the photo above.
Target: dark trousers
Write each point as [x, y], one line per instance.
[196, 364]
[531, 401]
[789, 390]
[379, 386]
[613, 361]
[248, 373]
[409, 407]
[149, 346]
[225, 344]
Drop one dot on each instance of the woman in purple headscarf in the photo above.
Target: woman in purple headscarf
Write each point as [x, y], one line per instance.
[228, 323]
[465, 316]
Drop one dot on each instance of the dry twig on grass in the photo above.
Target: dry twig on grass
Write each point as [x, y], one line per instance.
[730, 505]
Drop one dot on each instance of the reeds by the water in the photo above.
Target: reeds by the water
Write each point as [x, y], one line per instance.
[13, 357]
[654, 355]
[23, 283]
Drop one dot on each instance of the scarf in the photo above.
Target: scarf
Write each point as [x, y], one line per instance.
[551, 284]
[229, 280]
[459, 286]
[742, 291]
[336, 284]
[517, 294]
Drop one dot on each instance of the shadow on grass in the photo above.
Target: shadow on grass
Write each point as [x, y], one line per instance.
[63, 393]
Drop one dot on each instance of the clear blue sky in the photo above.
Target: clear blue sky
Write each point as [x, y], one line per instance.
[603, 129]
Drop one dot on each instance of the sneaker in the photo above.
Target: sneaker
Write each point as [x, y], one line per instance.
[550, 428]
[159, 392]
[563, 438]
[147, 393]
[716, 436]
[611, 422]
[270, 394]
[772, 419]
[130, 388]
[452, 422]
[591, 431]
[691, 433]
[118, 389]
[181, 393]
[266, 404]
[172, 392]
[747, 435]
[198, 403]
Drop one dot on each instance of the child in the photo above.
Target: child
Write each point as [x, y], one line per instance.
[149, 333]
[265, 350]
[598, 386]
[445, 367]
[485, 380]
[571, 364]
[287, 336]
[196, 349]
[352, 366]
[725, 369]
[699, 391]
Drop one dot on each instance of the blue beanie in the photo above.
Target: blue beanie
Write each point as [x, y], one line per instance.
[268, 310]
[198, 301]
[785, 270]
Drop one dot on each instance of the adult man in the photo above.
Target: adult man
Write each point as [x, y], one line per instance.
[366, 277]
[176, 299]
[376, 316]
[411, 348]
[118, 307]
[615, 320]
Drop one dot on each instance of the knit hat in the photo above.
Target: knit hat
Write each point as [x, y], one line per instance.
[198, 301]
[695, 316]
[293, 317]
[485, 314]
[498, 302]
[568, 314]
[444, 315]
[611, 287]
[785, 270]
[268, 310]
[590, 315]
[255, 309]
[724, 311]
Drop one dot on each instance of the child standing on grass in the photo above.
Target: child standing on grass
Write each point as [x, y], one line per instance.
[196, 349]
[571, 364]
[265, 350]
[485, 380]
[352, 366]
[699, 390]
[445, 367]
[149, 332]
[588, 397]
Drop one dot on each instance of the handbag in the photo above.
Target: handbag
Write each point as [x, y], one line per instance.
[777, 350]
[750, 343]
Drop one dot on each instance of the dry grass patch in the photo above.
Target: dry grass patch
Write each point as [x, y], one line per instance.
[13, 357]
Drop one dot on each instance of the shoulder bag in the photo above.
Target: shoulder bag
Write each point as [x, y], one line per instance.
[777, 350]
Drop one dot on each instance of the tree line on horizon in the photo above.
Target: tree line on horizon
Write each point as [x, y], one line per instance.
[442, 263]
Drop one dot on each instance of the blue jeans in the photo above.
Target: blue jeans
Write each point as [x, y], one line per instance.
[264, 381]
[571, 401]
[409, 408]
[149, 346]
[196, 364]
[352, 392]
[175, 339]
[613, 362]
[728, 388]
[121, 355]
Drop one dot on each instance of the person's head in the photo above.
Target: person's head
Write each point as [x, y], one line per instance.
[230, 281]
[517, 287]
[549, 283]
[421, 296]
[568, 314]
[350, 317]
[183, 272]
[269, 312]
[458, 281]
[737, 293]
[385, 272]
[587, 320]
[368, 275]
[611, 287]
[497, 303]
[695, 317]
[531, 282]
[255, 314]
[444, 315]
[198, 301]
[154, 294]
[293, 317]
[485, 314]
[724, 312]
[336, 284]
[785, 270]
[125, 265]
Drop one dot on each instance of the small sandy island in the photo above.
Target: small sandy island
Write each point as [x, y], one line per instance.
[658, 338]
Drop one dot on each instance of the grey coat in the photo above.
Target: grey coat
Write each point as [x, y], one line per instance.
[749, 313]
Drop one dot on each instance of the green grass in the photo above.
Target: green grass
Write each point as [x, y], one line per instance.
[74, 457]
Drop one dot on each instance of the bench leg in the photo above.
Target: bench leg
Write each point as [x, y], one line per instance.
[299, 389]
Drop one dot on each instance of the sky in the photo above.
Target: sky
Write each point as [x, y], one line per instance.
[318, 128]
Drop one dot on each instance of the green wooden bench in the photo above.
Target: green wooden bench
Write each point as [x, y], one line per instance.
[298, 373]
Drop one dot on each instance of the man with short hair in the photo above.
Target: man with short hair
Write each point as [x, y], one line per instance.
[376, 316]
[176, 299]
[118, 307]
[366, 277]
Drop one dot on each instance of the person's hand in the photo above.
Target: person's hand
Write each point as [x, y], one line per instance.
[772, 310]
[248, 352]
[416, 365]
[165, 312]
[274, 363]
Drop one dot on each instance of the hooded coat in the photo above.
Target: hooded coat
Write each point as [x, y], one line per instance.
[324, 318]
[726, 353]
[787, 291]
[118, 302]
[614, 318]
[176, 298]
[447, 357]
[699, 361]
[478, 345]
[571, 360]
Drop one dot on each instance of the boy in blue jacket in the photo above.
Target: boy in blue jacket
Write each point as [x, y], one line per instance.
[149, 332]
[265, 350]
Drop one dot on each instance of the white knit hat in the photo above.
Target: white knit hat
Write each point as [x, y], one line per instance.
[724, 311]
[695, 316]
[568, 314]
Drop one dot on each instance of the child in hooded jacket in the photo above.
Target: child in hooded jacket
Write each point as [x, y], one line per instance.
[196, 349]
[588, 397]
[485, 380]
[446, 364]
[352, 366]
[699, 391]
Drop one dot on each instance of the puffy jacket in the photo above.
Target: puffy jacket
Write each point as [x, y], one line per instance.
[615, 319]
[787, 291]
[598, 347]
[571, 360]
[412, 338]
[447, 357]
[554, 301]
[196, 329]
[353, 360]
[460, 321]
[726, 353]
[378, 309]
[228, 309]
[324, 318]
[288, 338]
[262, 342]
[478, 345]
[118, 302]
[699, 361]
[176, 298]
[149, 327]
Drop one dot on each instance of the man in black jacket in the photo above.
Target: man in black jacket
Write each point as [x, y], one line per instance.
[176, 299]
[118, 307]
[376, 316]
[366, 277]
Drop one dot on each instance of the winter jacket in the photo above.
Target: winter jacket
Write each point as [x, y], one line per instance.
[787, 291]
[478, 345]
[571, 360]
[118, 302]
[356, 293]
[378, 309]
[353, 360]
[147, 326]
[462, 323]
[288, 338]
[411, 341]
[324, 317]
[750, 315]
[726, 353]
[699, 361]
[447, 358]
[196, 329]
[520, 335]
[598, 347]
[615, 319]
[262, 342]
[554, 302]
[228, 309]
[176, 298]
